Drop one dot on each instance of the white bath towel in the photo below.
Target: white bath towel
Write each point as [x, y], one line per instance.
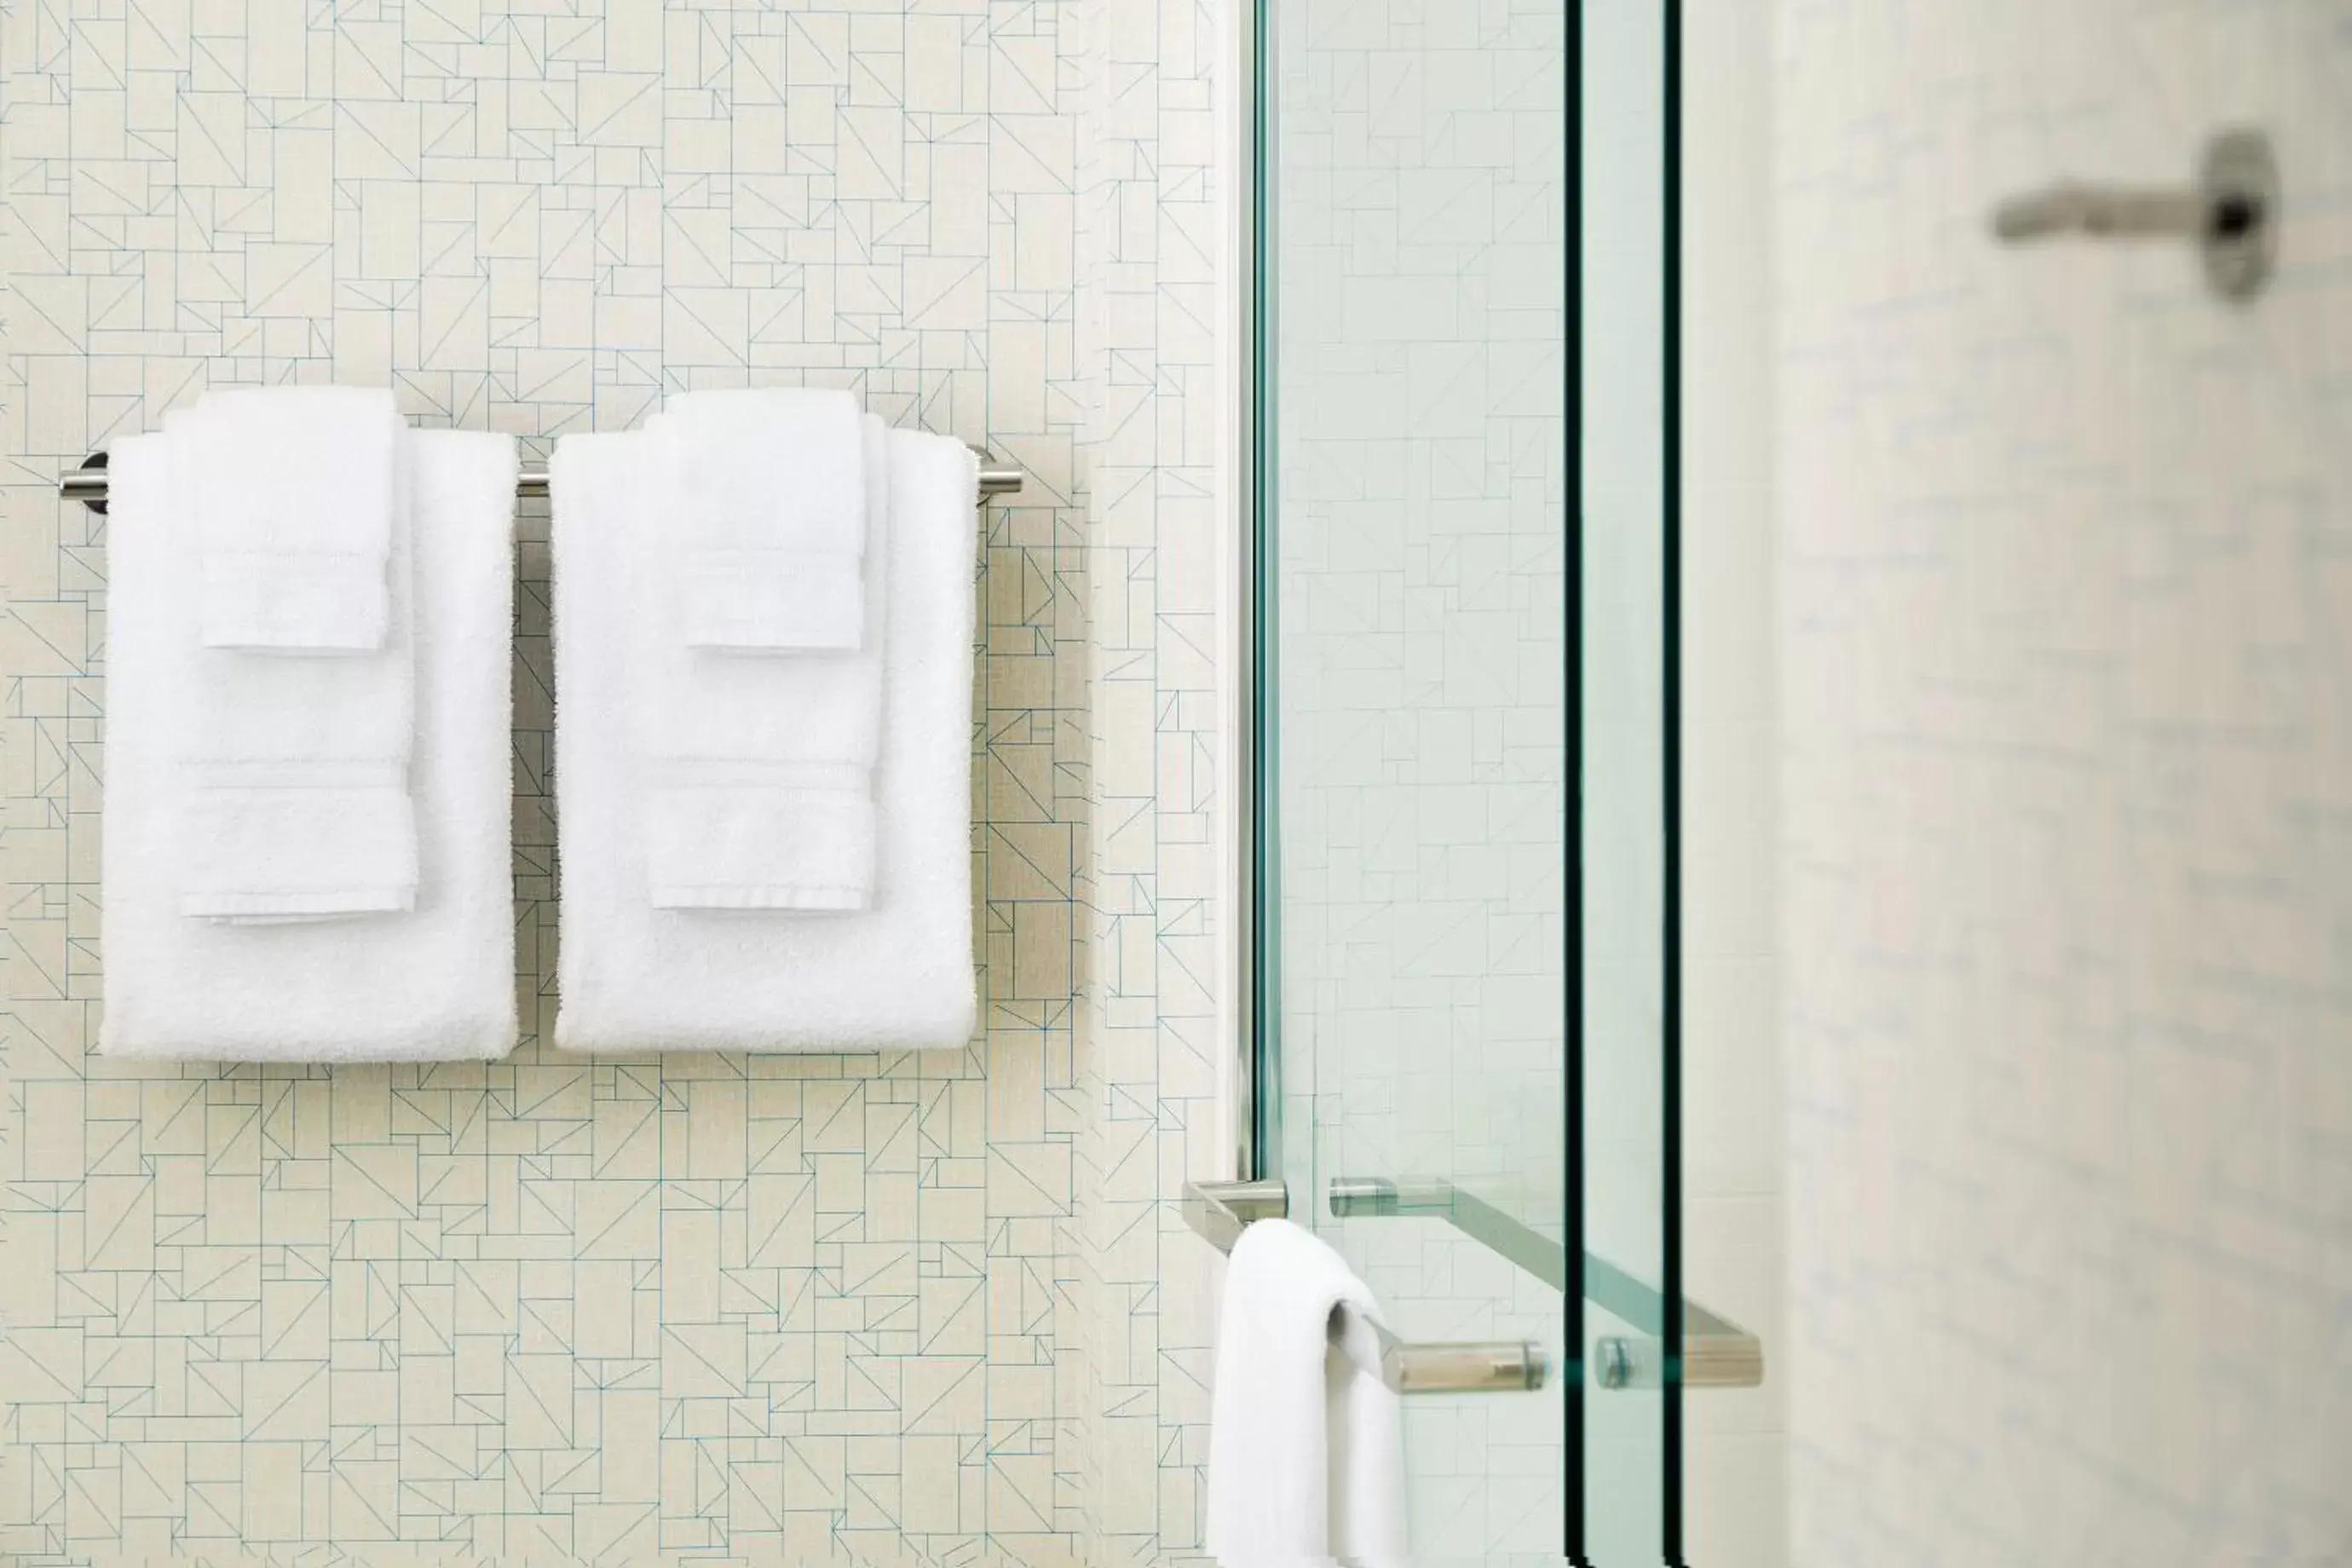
[762, 792]
[772, 488]
[294, 490]
[1306, 1441]
[434, 982]
[638, 977]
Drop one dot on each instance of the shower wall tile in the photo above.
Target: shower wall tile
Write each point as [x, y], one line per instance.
[619, 1310]
[2068, 795]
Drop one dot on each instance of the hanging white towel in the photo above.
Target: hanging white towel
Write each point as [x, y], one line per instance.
[772, 484]
[293, 767]
[762, 792]
[434, 982]
[296, 492]
[1306, 1441]
[636, 976]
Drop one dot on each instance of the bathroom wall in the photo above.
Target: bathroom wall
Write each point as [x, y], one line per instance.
[1154, 179]
[2068, 794]
[616, 1310]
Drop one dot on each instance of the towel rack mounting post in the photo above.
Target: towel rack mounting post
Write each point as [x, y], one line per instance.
[87, 484]
[1219, 1211]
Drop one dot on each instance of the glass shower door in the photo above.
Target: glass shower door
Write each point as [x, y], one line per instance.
[1462, 838]
[1625, 1052]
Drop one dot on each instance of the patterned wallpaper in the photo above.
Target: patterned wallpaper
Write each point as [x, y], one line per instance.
[2068, 865]
[912, 1308]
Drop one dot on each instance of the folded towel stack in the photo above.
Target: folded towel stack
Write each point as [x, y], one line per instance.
[765, 797]
[306, 845]
[762, 747]
[295, 766]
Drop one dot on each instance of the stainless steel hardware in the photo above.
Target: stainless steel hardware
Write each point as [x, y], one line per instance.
[87, 484]
[1476, 1366]
[1219, 1211]
[1716, 1352]
[1709, 1361]
[1430, 1198]
[2231, 213]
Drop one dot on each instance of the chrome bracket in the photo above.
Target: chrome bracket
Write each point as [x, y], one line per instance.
[2231, 214]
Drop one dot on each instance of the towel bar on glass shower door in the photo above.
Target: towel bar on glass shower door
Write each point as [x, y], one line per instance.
[1716, 1352]
[1219, 1211]
[87, 484]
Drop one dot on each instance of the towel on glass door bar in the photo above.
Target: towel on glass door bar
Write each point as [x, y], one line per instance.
[1306, 1439]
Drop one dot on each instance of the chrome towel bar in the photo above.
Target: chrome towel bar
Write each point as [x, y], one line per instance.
[87, 484]
[1716, 1352]
[1219, 1211]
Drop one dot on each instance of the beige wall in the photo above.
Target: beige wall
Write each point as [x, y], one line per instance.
[1735, 1451]
[929, 1286]
[2067, 869]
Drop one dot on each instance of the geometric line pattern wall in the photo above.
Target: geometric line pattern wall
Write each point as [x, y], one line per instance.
[692, 1308]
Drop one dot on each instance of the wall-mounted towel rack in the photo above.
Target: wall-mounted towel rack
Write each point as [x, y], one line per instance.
[1219, 1211]
[87, 484]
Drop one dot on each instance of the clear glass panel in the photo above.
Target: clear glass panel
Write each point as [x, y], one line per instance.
[1416, 269]
[1623, 719]
[1421, 741]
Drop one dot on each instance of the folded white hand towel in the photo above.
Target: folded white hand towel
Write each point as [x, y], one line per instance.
[296, 492]
[773, 487]
[762, 792]
[294, 766]
[336, 843]
[636, 976]
[1306, 1441]
[433, 983]
[768, 846]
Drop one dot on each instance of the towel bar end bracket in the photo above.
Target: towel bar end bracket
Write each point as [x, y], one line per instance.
[93, 464]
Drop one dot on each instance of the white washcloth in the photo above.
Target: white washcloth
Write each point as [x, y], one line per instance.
[435, 983]
[637, 978]
[294, 768]
[773, 493]
[296, 492]
[1306, 1441]
[761, 792]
